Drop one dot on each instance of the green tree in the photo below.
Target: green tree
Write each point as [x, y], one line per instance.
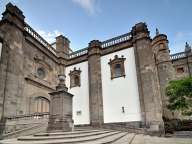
[179, 94]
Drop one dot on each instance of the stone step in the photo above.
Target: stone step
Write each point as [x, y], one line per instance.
[66, 133]
[107, 140]
[82, 140]
[68, 136]
[126, 139]
[26, 131]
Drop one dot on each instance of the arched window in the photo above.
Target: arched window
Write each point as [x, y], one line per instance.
[41, 105]
[117, 67]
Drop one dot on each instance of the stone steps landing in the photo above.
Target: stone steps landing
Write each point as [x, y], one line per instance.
[75, 137]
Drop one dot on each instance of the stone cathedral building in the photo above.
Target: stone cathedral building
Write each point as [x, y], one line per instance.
[119, 80]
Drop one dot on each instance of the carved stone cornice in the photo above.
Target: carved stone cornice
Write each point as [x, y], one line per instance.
[39, 83]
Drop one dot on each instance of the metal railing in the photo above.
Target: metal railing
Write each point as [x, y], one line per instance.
[178, 55]
[35, 35]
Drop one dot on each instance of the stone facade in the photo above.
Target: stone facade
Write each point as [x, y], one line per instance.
[29, 67]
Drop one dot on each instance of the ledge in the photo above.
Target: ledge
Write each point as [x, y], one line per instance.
[39, 83]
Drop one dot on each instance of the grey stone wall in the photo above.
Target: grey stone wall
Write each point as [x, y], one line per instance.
[21, 57]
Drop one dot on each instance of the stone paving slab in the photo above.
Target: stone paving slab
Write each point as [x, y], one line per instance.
[125, 139]
[144, 139]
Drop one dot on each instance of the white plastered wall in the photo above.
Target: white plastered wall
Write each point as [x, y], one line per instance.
[0, 49]
[120, 92]
[81, 94]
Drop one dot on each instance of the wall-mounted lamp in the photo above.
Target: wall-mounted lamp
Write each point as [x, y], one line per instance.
[123, 109]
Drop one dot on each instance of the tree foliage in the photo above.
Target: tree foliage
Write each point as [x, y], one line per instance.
[179, 94]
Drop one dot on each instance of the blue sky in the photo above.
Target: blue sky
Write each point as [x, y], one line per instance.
[84, 20]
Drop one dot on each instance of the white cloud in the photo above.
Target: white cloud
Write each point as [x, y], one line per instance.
[88, 5]
[49, 36]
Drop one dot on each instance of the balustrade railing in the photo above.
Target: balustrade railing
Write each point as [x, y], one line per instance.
[78, 53]
[105, 44]
[35, 35]
[178, 55]
[29, 116]
[116, 40]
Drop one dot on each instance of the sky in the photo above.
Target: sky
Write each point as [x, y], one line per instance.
[85, 20]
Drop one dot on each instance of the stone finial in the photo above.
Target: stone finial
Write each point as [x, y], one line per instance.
[61, 85]
[14, 11]
[157, 31]
[187, 47]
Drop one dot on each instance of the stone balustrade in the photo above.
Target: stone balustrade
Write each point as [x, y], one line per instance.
[116, 40]
[35, 35]
[19, 122]
[78, 53]
[105, 44]
[178, 56]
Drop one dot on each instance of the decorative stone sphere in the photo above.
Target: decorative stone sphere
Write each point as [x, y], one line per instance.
[61, 78]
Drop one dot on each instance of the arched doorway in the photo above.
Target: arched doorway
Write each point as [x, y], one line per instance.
[41, 104]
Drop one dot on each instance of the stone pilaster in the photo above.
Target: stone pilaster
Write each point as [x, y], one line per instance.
[165, 68]
[60, 108]
[150, 95]
[12, 79]
[95, 84]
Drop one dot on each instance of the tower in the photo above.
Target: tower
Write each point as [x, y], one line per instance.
[164, 66]
[150, 96]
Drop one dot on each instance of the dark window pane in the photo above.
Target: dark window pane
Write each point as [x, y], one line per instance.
[118, 70]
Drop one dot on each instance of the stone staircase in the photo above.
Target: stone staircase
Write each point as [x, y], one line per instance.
[26, 131]
[79, 136]
[94, 136]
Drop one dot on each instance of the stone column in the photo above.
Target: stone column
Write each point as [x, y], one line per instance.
[60, 108]
[150, 95]
[95, 84]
